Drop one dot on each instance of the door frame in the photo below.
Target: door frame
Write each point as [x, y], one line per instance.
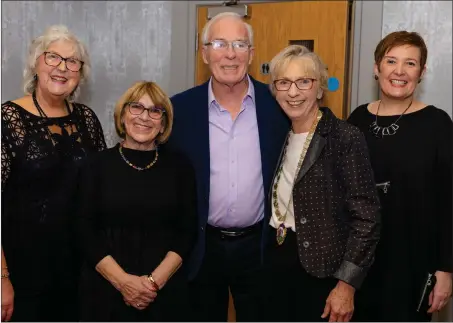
[366, 35]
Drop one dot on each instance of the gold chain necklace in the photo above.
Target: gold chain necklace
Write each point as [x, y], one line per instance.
[134, 166]
[282, 230]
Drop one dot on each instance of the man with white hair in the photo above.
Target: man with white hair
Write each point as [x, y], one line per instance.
[232, 130]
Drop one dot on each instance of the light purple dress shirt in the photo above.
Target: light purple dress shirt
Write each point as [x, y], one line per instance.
[236, 198]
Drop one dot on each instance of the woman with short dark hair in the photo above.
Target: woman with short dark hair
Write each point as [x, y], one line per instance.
[410, 149]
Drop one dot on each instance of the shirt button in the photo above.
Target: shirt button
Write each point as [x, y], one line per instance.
[202, 228]
[232, 185]
[306, 244]
[303, 220]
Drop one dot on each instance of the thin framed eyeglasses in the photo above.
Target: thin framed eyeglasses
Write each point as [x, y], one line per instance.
[54, 60]
[137, 108]
[223, 45]
[301, 84]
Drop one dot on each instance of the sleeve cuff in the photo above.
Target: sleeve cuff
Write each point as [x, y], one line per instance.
[351, 273]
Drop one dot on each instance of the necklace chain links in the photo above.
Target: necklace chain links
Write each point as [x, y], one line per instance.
[135, 166]
[281, 231]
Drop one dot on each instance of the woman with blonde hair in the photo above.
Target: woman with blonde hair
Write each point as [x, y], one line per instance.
[45, 134]
[325, 217]
[137, 218]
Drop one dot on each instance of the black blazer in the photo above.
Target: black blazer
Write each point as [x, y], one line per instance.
[336, 205]
[190, 136]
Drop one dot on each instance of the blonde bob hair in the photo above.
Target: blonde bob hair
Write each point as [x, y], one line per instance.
[314, 65]
[40, 44]
[159, 98]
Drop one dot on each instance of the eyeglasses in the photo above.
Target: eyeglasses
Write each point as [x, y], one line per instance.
[137, 109]
[54, 60]
[301, 84]
[223, 45]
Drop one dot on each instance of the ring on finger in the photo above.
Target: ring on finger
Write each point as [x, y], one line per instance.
[138, 305]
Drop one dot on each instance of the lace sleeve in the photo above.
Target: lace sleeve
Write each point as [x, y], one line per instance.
[94, 128]
[12, 135]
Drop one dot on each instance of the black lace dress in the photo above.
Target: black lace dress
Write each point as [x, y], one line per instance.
[39, 160]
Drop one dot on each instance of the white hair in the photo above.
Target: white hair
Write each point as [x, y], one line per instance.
[40, 44]
[207, 27]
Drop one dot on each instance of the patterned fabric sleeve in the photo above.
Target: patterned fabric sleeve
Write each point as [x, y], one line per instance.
[12, 135]
[94, 128]
[363, 204]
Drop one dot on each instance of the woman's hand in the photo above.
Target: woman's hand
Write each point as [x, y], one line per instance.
[340, 303]
[7, 299]
[438, 298]
[137, 291]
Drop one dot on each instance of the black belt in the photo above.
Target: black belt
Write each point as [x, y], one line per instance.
[235, 232]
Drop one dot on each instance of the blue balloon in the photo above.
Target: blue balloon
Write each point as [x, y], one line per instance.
[333, 84]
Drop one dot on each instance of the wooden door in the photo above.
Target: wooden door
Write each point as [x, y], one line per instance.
[276, 25]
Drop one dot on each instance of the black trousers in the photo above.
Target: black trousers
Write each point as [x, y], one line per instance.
[291, 294]
[229, 262]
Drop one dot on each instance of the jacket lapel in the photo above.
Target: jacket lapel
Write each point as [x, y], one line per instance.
[198, 142]
[316, 146]
[263, 100]
[317, 143]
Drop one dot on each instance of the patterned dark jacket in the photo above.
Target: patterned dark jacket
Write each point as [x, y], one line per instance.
[336, 205]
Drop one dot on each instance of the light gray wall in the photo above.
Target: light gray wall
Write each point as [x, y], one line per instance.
[127, 41]
[433, 20]
[367, 33]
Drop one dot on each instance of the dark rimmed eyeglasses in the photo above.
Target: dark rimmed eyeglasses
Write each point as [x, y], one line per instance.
[137, 108]
[222, 45]
[302, 84]
[54, 60]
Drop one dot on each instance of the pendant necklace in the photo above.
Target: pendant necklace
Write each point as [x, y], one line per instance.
[282, 230]
[390, 130]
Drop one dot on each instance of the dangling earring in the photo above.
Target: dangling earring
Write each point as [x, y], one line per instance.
[35, 77]
[376, 77]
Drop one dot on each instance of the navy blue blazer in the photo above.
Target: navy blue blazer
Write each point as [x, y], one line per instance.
[190, 136]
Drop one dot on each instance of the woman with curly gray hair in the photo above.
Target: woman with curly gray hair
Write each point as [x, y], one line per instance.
[45, 134]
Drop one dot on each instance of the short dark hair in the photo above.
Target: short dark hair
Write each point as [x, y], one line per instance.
[400, 38]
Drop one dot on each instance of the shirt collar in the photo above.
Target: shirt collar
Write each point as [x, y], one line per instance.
[250, 92]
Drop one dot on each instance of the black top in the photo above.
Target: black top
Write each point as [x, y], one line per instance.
[137, 217]
[416, 234]
[39, 158]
